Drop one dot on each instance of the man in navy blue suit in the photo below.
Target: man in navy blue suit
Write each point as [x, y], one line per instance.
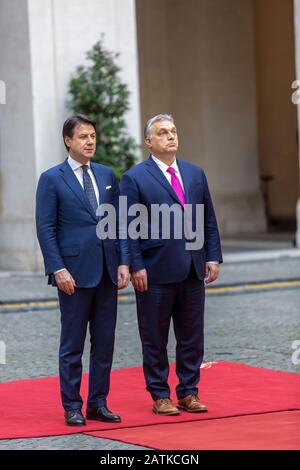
[87, 271]
[167, 274]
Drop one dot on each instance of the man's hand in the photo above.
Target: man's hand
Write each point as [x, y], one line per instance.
[65, 282]
[211, 272]
[139, 280]
[123, 276]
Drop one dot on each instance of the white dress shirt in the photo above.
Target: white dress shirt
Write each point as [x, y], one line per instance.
[164, 168]
[78, 172]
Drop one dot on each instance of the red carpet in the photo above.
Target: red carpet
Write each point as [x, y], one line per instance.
[271, 431]
[31, 408]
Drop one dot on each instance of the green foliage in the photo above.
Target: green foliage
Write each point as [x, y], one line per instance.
[97, 91]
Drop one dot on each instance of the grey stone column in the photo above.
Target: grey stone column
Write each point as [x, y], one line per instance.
[41, 44]
[297, 48]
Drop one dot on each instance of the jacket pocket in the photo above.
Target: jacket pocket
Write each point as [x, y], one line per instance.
[69, 250]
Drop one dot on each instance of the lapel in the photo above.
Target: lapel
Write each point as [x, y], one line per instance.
[187, 178]
[102, 181]
[158, 175]
[156, 172]
[73, 183]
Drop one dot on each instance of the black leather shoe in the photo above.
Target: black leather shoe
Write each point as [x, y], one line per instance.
[102, 414]
[74, 418]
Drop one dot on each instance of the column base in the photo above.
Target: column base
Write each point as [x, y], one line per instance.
[241, 213]
[298, 224]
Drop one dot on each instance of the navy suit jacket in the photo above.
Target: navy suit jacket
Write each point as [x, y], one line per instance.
[168, 261]
[66, 225]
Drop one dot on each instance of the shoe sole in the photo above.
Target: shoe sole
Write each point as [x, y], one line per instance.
[75, 424]
[171, 413]
[93, 418]
[191, 411]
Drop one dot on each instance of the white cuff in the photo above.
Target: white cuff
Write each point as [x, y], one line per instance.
[60, 270]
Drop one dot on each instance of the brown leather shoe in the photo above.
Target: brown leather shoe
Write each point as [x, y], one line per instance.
[164, 407]
[191, 404]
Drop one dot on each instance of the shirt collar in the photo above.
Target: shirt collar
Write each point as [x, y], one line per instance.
[74, 164]
[163, 166]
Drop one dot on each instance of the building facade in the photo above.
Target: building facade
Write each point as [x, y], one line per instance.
[223, 68]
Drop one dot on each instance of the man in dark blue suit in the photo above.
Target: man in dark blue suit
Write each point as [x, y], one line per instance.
[86, 270]
[167, 274]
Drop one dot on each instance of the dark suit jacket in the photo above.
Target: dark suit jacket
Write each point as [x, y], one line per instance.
[66, 225]
[168, 261]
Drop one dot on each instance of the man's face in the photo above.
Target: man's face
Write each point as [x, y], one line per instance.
[83, 142]
[163, 138]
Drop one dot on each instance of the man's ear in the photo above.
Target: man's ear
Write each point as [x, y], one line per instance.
[67, 141]
[148, 142]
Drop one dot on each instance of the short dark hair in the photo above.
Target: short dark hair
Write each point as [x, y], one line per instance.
[74, 121]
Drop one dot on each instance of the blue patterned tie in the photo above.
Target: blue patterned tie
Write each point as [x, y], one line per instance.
[89, 188]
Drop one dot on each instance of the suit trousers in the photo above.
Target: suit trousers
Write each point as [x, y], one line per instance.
[184, 303]
[97, 307]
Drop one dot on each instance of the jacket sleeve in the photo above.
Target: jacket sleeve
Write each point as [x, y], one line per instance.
[121, 229]
[46, 223]
[129, 189]
[212, 244]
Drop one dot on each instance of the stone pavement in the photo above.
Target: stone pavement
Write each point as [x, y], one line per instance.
[256, 328]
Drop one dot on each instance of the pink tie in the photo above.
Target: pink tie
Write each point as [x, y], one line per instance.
[176, 185]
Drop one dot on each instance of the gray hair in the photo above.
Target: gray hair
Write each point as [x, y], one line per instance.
[158, 118]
